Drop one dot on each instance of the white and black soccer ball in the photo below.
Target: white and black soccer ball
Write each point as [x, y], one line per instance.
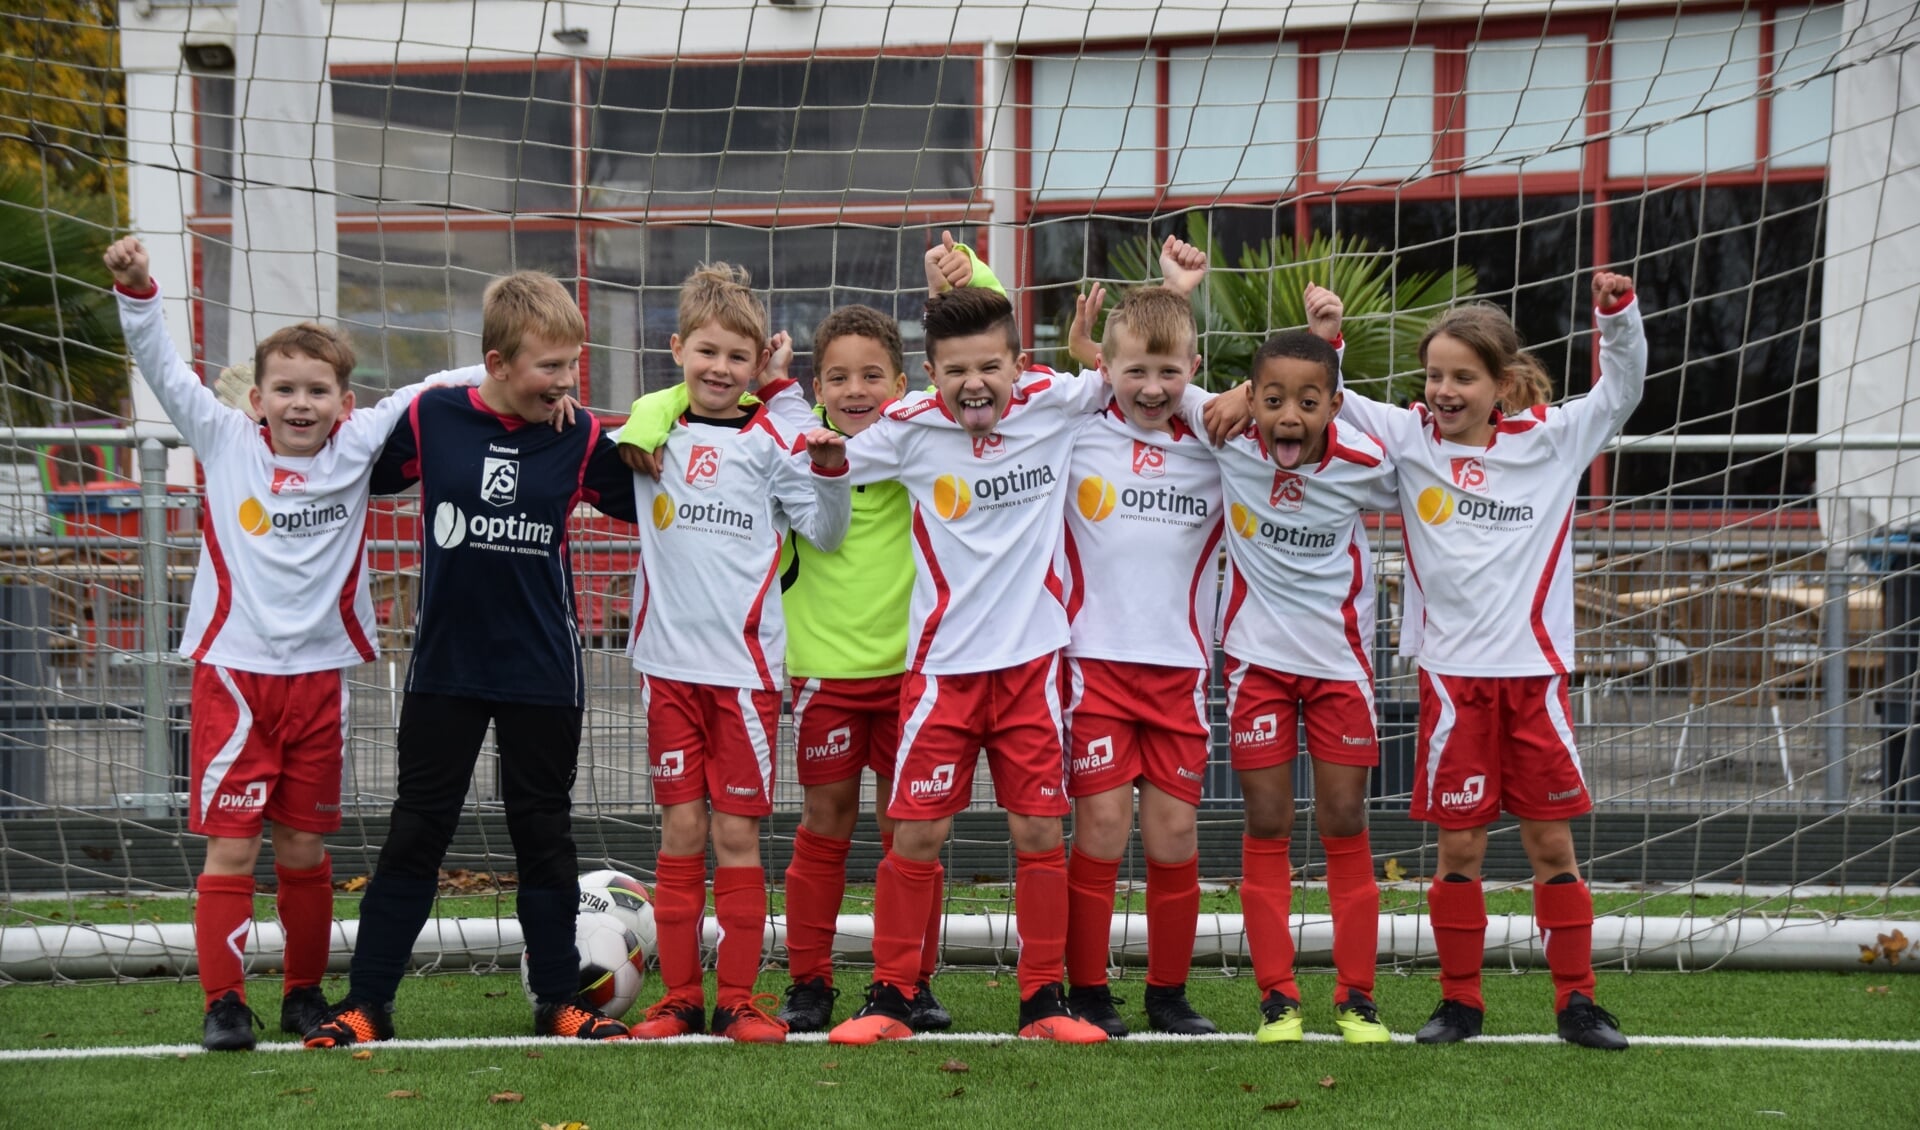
[624, 897]
[612, 964]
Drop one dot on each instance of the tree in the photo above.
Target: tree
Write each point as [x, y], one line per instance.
[1262, 293]
[62, 97]
[60, 345]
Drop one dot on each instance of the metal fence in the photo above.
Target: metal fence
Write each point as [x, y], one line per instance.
[1746, 662]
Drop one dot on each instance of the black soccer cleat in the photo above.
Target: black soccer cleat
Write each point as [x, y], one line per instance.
[925, 1013]
[1097, 1005]
[571, 1018]
[1451, 1023]
[229, 1025]
[1046, 1016]
[352, 1022]
[885, 1016]
[1587, 1024]
[809, 1006]
[1169, 1011]
[303, 1009]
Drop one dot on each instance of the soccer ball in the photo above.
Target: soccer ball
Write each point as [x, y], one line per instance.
[610, 964]
[624, 897]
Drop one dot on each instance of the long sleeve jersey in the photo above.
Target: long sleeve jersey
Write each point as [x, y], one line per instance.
[987, 514]
[706, 597]
[496, 613]
[281, 588]
[1141, 545]
[1489, 587]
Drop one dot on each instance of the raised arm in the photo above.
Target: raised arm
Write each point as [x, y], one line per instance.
[1596, 417]
[191, 405]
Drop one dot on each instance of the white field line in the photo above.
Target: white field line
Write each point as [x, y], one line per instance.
[181, 1051]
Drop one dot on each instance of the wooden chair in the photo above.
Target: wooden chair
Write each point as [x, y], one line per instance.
[1744, 646]
[1613, 641]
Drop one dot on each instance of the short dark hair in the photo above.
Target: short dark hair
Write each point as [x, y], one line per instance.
[860, 321]
[966, 311]
[1298, 345]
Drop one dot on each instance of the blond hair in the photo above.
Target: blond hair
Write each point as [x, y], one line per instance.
[1158, 319]
[305, 339]
[1486, 329]
[723, 293]
[528, 302]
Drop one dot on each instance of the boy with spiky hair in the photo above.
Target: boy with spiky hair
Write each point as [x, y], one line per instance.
[494, 642]
[280, 609]
[984, 462]
[709, 642]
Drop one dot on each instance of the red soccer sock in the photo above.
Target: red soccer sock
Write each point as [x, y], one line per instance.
[305, 906]
[1457, 912]
[679, 900]
[1266, 901]
[1564, 913]
[903, 890]
[1040, 915]
[816, 884]
[1173, 918]
[1090, 886]
[222, 915]
[936, 918]
[740, 906]
[1356, 913]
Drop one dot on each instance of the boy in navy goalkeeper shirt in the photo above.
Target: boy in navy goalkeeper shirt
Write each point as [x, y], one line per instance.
[495, 641]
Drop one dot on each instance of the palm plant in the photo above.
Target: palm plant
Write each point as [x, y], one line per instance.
[60, 346]
[1263, 292]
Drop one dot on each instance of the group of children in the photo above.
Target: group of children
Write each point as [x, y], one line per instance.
[1016, 561]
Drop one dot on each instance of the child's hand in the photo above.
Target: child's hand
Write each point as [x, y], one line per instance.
[1183, 265]
[127, 259]
[1226, 415]
[639, 460]
[1323, 312]
[563, 413]
[947, 266]
[779, 359]
[827, 449]
[1080, 344]
[1609, 289]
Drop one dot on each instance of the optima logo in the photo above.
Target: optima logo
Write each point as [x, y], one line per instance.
[1307, 542]
[256, 519]
[1437, 506]
[453, 528]
[710, 517]
[954, 496]
[1097, 499]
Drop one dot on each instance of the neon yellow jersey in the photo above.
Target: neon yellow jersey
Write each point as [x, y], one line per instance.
[846, 611]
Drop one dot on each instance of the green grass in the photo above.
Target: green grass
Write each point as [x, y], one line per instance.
[1006, 1083]
[1408, 899]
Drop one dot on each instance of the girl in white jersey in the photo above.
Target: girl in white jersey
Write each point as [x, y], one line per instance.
[1487, 494]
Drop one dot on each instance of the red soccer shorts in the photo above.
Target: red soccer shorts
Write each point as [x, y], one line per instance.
[266, 747]
[1264, 708]
[711, 743]
[1493, 744]
[1129, 722]
[946, 720]
[842, 726]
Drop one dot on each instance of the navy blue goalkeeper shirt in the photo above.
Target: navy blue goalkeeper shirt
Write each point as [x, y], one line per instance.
[496, 609]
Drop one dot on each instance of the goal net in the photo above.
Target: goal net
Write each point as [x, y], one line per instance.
[1747, 591]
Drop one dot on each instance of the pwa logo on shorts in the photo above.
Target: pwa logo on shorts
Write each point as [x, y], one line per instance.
[1470, 473]
[288, 482]
[939, 783]
[1289, 492]
[839, 741]
[673, 763]
[1149, 462]
[1469, 795]
[1099, 756]
[499, 481]
[989, 448]
[1266, 728]
[253, 797]
[703, 467]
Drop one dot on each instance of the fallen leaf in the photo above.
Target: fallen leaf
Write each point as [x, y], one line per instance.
[49, 1035]
[1395, 873]
[506, 1097]
[1247, 1087]
[357, 883]
[149, 1012]
[825, 1083]
[1283, 1104]
[565, 1126]
[956, 1092]
[954, 1067]
[536, 1055]
[993, 984]
[364, 1053]
[1896, 943]
[1881, 990]
[403, 1094]
[830, 1065]
[1869, 955]
[495, 996]
[1328, 1082]
[298, 1091]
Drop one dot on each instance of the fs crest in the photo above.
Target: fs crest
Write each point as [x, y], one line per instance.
[499, 481]
[1289, 491]
[1149, 462]
[989, 448]
[1470, 473]
[703, 467]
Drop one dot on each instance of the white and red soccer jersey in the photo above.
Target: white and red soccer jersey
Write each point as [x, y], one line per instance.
[706, 594]
[1298, 595]
[1489, 587]
[987, 516]
[1141, 551]
[282, 584]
